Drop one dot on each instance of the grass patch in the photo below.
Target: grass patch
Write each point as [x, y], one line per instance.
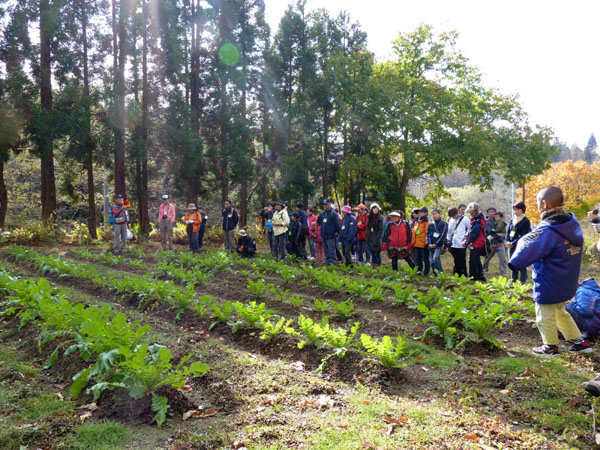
[106, 435]
[429, 356]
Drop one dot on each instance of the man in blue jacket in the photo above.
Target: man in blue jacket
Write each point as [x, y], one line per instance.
[330, 228]
[554, 249]
[436, 238]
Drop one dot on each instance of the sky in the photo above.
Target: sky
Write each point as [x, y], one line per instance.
[544, 51]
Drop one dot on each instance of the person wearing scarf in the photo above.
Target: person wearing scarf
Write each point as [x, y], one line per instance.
[519, 226]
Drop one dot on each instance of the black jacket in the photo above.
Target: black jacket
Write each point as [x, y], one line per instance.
[247, 244]
[522, 228]
[296, 232]
[230, 218]
[374, 232]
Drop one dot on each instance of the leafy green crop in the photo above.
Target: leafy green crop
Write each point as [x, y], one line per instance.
[258, 287]
[270, 330]
[343, 309]
[321, 305]
[388, 353]
[251, 314]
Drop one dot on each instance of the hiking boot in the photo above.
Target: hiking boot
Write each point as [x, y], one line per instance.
[546, 350]
[584, 347]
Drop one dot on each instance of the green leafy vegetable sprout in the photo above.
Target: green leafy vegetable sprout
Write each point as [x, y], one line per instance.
[442, 320]
[271, 330]
[321, 305]
[343, 309]
[388, 353]
[296, 300]
[251, 313]
[258, 287]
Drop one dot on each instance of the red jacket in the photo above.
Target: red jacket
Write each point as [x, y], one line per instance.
[398, 234]
[361, 224]
[477, 229]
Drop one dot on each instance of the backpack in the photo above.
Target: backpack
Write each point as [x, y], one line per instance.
[585, 308]
[111, 218]
[269, 225]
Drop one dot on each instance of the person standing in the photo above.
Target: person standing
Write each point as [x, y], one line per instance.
[230, 221]
[319, 254]
[419, 241]
[280, 221]
[458, 228]
[348, 234]
[375, 234]
[192, 221]
[398, 238]
[202, 227]
[312, 221]
[495, 230]
[519, 227]
[475, 241]
[361, 246]
[303, 220]
[120, 217]
[330, 228]
[555, 249]
[295, 235]
[166, 219]
[436, 238]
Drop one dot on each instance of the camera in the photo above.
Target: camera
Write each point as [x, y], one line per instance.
[164, 217]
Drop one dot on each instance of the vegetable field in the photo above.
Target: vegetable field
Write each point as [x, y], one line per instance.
[173, 350]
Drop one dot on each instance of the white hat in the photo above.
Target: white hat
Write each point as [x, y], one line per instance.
[395, 213]
[473, 206]
[165, 197]
[374, 205]
[242, 233]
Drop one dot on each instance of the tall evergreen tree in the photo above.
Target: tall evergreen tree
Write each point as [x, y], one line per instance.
[589, 153]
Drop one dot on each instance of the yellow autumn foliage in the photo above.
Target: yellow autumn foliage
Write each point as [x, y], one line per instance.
[579, 181]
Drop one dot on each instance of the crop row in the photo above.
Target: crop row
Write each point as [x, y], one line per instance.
[251, 315]
[113, 349]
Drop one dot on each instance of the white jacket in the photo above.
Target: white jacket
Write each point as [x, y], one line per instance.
[280, 222]
[458, 230]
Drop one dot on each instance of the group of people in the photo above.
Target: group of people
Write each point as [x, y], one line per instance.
[359, 236]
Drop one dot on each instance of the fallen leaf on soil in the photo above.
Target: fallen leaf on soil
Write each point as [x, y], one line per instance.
[360, 377]
[366, 402]
[576, 401]
[425, 369]
[26, 425]
[399, 421]
[199, 413]
[343, 427]
[445, 413]
[419, 357]
[202, 335]
[59, 386]
[85, 416]
[504, 391]
[369, 445]
[529, 372]
[185, 388]
[240, 445]
[473, 437]
[297, 366]
[269, 401]
[89, 407]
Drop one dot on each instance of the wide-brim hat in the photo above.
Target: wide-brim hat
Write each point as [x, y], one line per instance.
[395, 213]
[473, 206]
[347, 209]
[374, 205]
[361, 206]
[242, 233]
[191, 206]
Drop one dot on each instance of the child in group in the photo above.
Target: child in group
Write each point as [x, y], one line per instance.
[295, 235]
[319, 255]
[555, 250]
[192, 221]
[348, 234]
[419, 241]
[362, 249]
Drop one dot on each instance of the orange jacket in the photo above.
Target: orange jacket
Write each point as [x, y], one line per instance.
[419, 235]
[196, 217]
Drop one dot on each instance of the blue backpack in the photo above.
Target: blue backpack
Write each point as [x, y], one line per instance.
[269, 225]
[585, 308]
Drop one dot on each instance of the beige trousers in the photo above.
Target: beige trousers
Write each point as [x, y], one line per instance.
[551, 318]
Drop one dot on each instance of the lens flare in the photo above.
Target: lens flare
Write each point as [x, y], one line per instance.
[229, 54]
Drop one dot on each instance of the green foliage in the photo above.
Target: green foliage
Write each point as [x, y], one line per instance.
[251, 313]
[296, 300]
[270, 330]
[343, 309]
[388, 353]
[222, 313]
[442, 319]
[339, 339]
[258, 287]
[311, 331]
[321, 305]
